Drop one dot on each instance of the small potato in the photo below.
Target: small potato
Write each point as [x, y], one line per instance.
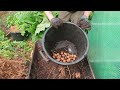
[65, 53]
[64, 61]
[57, 54]
[54, 54]
[68, 60]
[58, 59]
[74, 56]
[65, 58]
[61, 52]
[54, 57]
[62, 58]
[68, 56]
[73, 59]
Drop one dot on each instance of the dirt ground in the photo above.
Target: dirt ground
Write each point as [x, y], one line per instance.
[49, 70]
[13, 69]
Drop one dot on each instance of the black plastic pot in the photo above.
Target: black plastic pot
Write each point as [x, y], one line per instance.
[18, 37]
[70, 32]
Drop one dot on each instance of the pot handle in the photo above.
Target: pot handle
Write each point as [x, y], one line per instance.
[43, 56]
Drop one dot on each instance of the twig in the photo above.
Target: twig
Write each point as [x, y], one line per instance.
[79, 67]
[69, 71]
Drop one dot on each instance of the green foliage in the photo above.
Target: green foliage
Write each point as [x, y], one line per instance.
[10, 49]
[56, 13]
[2, 36]
[42, 26]
[33, 22]
[26, 21]
[91, 15]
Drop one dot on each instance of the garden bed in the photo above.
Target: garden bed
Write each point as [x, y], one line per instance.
[13, 69]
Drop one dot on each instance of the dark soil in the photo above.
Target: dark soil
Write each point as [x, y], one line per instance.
[49, 70]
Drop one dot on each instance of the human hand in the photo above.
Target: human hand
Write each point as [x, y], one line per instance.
[84, 23]
[56, 22]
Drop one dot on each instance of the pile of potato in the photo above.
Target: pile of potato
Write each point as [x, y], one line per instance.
[64, 57]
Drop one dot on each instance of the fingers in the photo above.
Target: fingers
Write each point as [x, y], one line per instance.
[56, 22]
[59, 23]
[84, 24]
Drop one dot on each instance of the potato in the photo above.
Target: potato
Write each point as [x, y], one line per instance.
[73, 59]
[68, 56]
[74, 56]
[65, 58]
[65, 53]
[55, 54]
[58, 59]
[68, 60]
[64, 61]
[61, 52]
[62, 58]
[54, 57]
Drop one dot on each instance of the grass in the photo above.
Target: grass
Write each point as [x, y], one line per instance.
[14, 49]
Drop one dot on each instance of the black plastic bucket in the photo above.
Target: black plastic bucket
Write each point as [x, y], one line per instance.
[70, 32]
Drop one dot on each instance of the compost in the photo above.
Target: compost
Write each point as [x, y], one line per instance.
[13, 69]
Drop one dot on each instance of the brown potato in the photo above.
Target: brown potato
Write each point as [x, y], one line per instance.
[65, 53]
[62, 58]
[68, 56]
[58, 59]
[64, 61]
[65, 58]
[74, 56]
[68, 60]
[54, 57]
[57, 54]
[61, 52]
[73, 59]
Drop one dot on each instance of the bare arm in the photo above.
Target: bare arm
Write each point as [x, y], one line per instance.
[49, 14]
[55, 22]
[87, 13]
